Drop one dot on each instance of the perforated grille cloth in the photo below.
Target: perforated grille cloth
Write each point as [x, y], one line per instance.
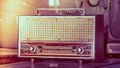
[57, 28]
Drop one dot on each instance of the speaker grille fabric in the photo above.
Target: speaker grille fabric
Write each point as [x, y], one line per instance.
[70, 29]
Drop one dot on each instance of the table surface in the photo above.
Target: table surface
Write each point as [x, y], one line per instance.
[111, 63]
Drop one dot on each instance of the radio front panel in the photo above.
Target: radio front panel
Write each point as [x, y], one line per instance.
[57, 36]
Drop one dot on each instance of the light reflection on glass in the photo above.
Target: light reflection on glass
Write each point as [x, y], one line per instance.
[52, 2]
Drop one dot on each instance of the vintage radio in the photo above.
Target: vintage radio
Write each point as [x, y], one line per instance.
[75, 37]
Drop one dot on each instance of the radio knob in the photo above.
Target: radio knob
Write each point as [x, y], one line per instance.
[33, 49]
[80, 50]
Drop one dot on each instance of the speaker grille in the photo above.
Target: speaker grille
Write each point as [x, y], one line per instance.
[58, 28]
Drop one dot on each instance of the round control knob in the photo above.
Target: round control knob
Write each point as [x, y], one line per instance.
[33, 49]
[80, 50]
